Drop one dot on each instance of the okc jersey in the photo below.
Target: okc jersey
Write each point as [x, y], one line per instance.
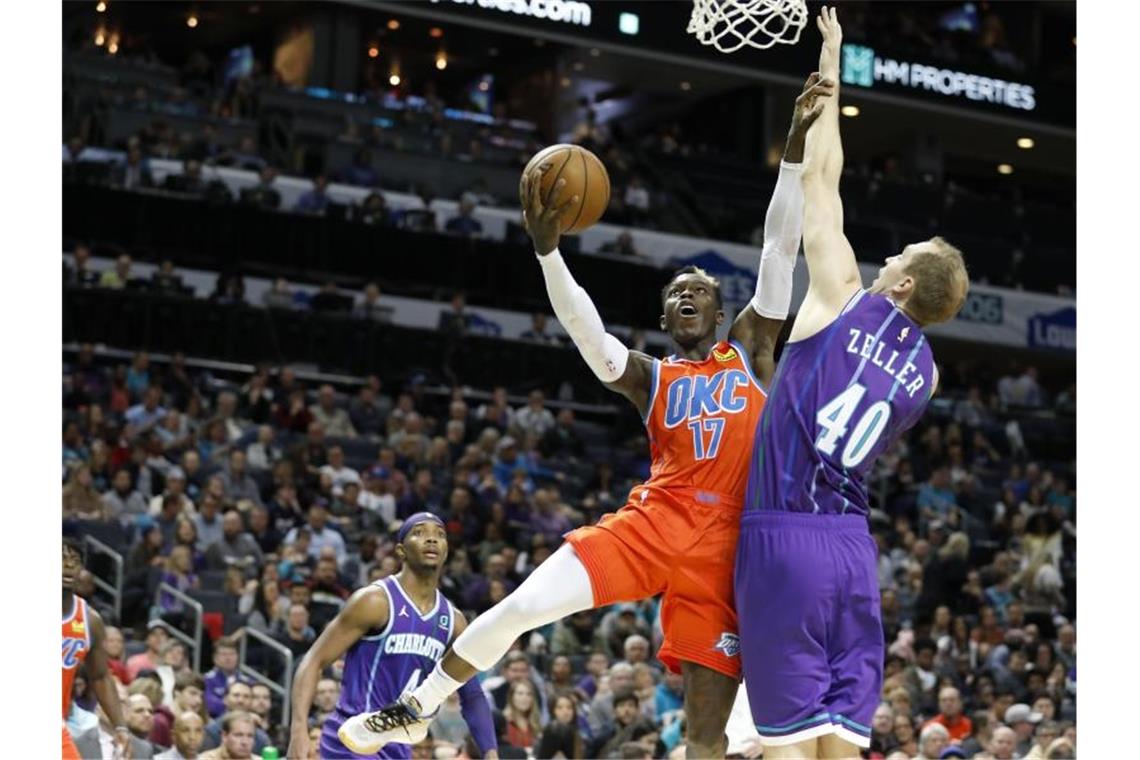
[76, 645]
[701, 418]
[840, 398]
[384, 664]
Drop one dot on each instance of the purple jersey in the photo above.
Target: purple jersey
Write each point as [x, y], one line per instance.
[384, 664]
[839, 399]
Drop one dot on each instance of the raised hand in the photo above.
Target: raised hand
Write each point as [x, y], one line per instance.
[832, 34]
[543, 223]
[809, 105]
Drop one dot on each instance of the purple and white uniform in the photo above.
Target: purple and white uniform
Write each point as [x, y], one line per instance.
[807, 595]
[385, 663]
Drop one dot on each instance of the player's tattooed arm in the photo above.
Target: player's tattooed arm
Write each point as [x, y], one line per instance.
[635, 381]
[366, 610]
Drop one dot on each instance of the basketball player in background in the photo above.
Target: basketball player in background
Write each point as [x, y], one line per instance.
[855, 375]
[394, 630]
[677, 533]
[83, 645]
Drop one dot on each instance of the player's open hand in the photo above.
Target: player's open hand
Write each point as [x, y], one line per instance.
[809, 105]
[543, 223]
[832, 41]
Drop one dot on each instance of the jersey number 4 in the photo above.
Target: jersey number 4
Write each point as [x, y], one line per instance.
[714, 425]
[835, 415]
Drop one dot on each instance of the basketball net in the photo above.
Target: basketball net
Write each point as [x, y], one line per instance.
[729, 25]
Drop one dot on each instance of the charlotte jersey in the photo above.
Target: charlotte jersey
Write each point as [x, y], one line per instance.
[76, 645]
[840, 398]
[382, 665]
[701, 417]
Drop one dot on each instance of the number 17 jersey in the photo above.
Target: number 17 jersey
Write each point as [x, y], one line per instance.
[840, 398]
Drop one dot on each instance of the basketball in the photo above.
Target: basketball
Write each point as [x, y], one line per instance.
[585, 177]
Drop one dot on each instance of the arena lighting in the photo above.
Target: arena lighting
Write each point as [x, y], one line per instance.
[100, 7]
[1025, 143]
[394, 80]
[393, 24]
[192, 21]
[565, 81]
[1004, 169]
[113, 47]
[595, 52]
[686, 86]
[849, 111]
[435, 32]
[100, 38]
[441, 61]
[373, 51]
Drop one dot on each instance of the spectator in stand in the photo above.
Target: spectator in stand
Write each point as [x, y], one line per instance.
[189, 734]
[370, 306]
[336, 469]
[1003, 745]
[81, 500]
[324, 701]
[497, 412]
[263, 454]
[235, 734]
[320, 534]
[296, 635]
[1021, 718]
[360, 172]
[294, 415]
[627, 725]
[139, 715]
[455, 322]
[224, 673]
[81, 275]
[464, 223]
[150, 659]
[370, 409]
[334, 419]
[235, 548]
[936, 498]
[119, 277]
[622, 245]
[534, 418]
[931, 741]
[316, 200]
[636, 199]
[279, 296]
[114, 647]
[123, 502]
[950, 716]
[237, 482]
[208, 520]
[166, 280]
[229, 289]
[374, 210]
[133, 173]
[537, 332]
[522, 715]
[145, 416]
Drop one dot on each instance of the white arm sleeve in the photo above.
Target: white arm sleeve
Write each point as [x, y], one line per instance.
[605, 354]
[783, 228]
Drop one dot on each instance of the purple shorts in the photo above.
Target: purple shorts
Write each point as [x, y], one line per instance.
[333, 749]
[811, 633]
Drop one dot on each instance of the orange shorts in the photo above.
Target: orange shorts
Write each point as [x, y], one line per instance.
[69, 750]
[681, 544]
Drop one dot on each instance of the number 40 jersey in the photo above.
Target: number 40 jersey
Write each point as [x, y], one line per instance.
[840, 399]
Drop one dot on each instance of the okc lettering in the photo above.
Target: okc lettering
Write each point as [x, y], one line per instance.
[72, 648]
[864, 345]
[693, 396]
[414, 643]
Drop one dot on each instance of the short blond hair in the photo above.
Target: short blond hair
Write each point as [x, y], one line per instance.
[940, 283]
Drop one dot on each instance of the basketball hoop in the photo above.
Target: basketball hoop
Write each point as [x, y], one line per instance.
[729, 25]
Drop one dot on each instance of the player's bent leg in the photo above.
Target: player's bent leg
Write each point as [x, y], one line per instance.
[832, 747]
[559, 587]
[709, 696]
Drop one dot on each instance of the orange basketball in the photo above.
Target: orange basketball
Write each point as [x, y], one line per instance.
[585, 177]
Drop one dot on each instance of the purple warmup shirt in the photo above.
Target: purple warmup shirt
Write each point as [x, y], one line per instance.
[839, 399]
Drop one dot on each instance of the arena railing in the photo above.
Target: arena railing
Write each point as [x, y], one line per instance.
[282, 687]
[115, 589]
[195, 606]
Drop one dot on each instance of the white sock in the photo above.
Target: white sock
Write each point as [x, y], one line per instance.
[436, 688]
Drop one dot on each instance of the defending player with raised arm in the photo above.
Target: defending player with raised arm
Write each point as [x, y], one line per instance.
[83, 645]
[393, 630]
[855, 375]
[677, 532]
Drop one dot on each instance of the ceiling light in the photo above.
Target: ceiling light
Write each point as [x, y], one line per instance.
[441, 61]
[565, 81]
[373, 52]
[595, 52]
[394, 80]
[192, 21]
[686, 86]
[849, 111]
[483, 86]
[435, 32]
[1004, 169]
[113, 48]
[100, 7]
[1025, 143]
[99, 38]
[393, 24]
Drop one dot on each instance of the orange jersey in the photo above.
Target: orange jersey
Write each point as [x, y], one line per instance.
[76, 645]
[702, 420]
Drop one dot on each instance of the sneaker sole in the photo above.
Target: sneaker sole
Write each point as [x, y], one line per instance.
[359, 749]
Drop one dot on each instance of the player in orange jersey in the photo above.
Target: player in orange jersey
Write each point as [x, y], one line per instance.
[83, 643]
[677, 533]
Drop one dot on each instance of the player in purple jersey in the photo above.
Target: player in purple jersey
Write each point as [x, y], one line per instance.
[857, 372]
[394, 632]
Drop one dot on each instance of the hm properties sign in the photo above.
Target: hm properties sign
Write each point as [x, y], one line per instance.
[862, 68]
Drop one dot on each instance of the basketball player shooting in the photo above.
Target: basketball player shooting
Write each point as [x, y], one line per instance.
[855, 375]
[394, 630]
[83, 645]
[677, 533]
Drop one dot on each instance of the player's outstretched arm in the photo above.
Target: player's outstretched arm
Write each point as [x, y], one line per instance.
[366, 609]
[624, 371]
[106, 693]
[758, 325]
[833, 272]
[473, 704]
